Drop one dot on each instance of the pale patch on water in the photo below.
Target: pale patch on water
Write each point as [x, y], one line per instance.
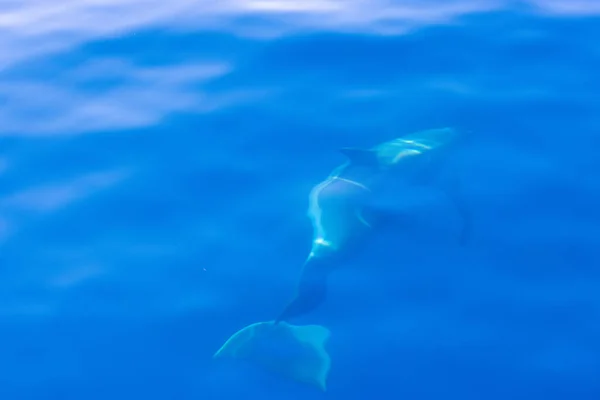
[64, 107]
[37, 27]
[76, 276]
[51, 197]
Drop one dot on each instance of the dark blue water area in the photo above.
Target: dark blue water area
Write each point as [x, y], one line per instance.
[154, 186]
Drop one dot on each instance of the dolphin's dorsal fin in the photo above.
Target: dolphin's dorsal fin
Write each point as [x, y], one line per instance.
[360, 156]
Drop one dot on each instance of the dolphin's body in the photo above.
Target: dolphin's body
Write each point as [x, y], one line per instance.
[337, 206]
[336, 209]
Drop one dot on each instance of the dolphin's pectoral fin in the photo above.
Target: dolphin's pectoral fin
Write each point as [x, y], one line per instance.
[465, 216]
[451, 191]
[295, 352]
[360, 156]
[361, 218]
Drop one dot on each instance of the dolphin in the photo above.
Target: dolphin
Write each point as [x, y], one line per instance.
[336, 210]
[337, 207]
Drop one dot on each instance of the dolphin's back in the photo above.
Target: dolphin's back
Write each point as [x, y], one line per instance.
[333, 209]
[418, 143]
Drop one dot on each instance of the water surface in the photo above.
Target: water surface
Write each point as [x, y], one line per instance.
[155, 163]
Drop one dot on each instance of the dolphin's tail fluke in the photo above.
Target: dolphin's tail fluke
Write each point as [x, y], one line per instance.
[296, 352]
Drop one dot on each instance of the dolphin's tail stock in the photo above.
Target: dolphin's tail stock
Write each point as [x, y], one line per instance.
[295, 352]
[312, 288]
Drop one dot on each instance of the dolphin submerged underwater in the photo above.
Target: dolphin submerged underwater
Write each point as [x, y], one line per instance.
[336, 210]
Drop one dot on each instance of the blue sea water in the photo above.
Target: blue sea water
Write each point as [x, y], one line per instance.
[155, 165]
